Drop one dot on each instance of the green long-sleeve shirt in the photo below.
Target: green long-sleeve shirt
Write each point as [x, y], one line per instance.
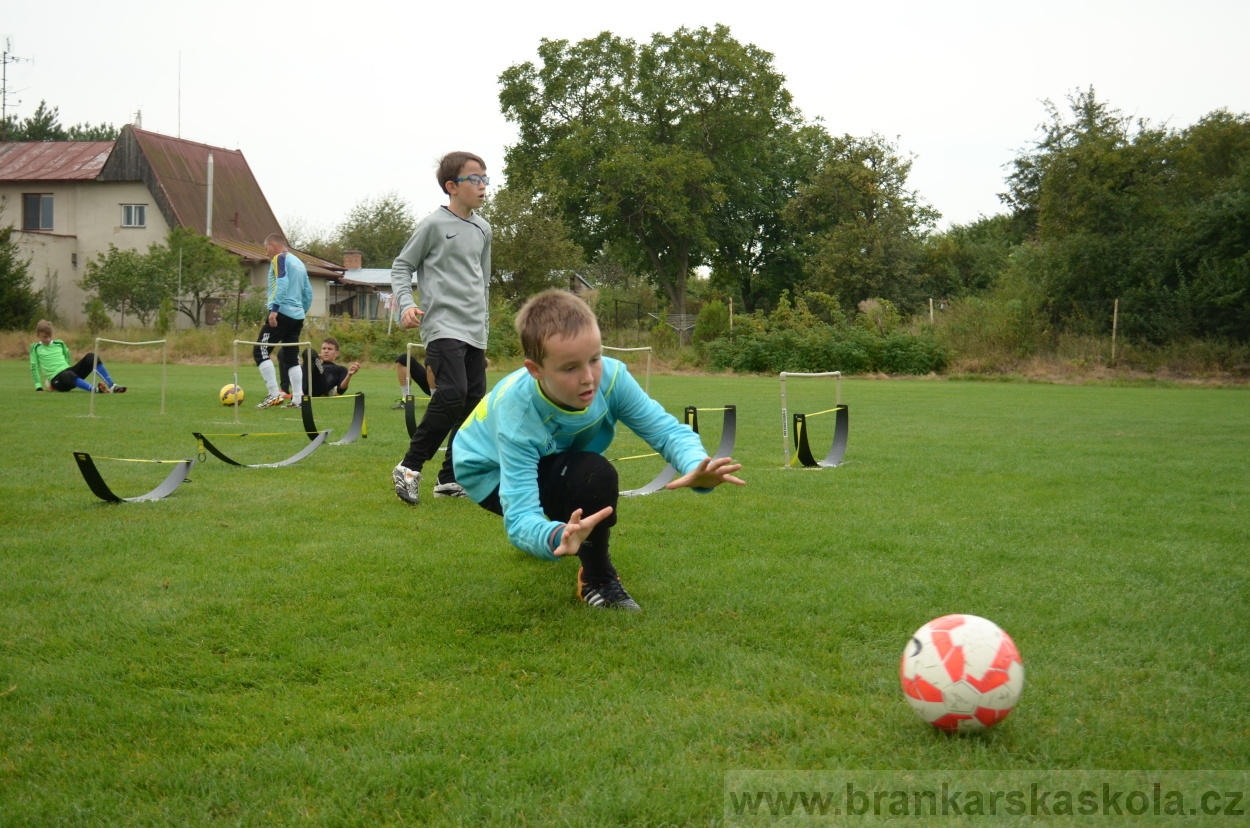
[46, 361]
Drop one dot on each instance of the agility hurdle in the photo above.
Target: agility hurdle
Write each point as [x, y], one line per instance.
[840, 429]
[728, 436]
[100, 489]
[95, 361]
[356, 429]
[729, 427]
[647, 382]
[206, 446]
[235, 348]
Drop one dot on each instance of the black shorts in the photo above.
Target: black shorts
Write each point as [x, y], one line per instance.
[64, 381]
[287, 330]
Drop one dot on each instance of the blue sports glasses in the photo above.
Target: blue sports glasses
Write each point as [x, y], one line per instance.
[474, 179]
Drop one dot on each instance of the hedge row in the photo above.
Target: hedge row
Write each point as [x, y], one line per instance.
[815, 350]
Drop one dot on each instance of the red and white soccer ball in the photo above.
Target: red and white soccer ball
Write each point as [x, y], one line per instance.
[961, 673]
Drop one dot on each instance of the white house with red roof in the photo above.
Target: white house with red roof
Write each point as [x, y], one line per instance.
[69, 200]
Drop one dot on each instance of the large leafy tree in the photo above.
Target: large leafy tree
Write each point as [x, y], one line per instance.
[968, 259]
[378, 227]
[126, 282]
[1116, 208]
[758, 253]
[188, 269]
[19, 301]
[863, 229]
[195, 270]
[641, 145]
[44, 124]
[531, 248]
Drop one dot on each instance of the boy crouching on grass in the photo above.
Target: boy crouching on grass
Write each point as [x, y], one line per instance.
[532, 450]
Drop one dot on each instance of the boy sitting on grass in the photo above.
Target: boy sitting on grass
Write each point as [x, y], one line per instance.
[329, 379]
[532, 450]
[50, 368]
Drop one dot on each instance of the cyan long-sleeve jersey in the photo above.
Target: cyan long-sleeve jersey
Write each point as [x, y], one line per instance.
[46, 361]
[451, 259]
[502, 441]
[290, 292]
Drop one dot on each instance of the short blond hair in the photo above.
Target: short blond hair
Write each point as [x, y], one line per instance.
[548, 315]
[43, 327]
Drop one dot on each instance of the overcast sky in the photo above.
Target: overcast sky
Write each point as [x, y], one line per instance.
[332, 103]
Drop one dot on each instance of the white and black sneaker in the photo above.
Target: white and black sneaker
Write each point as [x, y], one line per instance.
[406, 482]
[452, 489]
[607, 595]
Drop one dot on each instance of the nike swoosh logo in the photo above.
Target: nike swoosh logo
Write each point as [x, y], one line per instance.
[452, 235]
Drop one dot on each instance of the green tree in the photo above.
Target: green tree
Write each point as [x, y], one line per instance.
[315, 240]
[378, 227]
[758, 252]
[968, 259]
[1119, 209]
[44, 124]
[125, 282]
[863, 229]
[1210, 285]
[196, 270]
[19, 301]
[637, 145]
[531, 249]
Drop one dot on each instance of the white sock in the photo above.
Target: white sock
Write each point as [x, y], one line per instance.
[270, 375]
[404, 390]
[297, 384]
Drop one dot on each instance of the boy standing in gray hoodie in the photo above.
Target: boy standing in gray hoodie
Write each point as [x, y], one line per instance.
[450, 254]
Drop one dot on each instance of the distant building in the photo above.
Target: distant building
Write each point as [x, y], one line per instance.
[69, 200]
[362, 292]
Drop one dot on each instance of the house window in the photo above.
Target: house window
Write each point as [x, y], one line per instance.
[36, 211]
[134, 215]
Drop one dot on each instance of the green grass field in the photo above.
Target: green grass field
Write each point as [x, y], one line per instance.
[295, 646]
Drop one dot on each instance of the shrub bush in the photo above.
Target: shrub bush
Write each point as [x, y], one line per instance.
[911, 354]
[712, 322]
[826, 348]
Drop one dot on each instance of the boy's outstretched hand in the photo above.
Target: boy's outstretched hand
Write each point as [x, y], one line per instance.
[577, 530]
[709, 474]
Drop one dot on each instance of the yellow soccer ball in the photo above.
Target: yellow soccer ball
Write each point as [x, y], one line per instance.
[231, 394]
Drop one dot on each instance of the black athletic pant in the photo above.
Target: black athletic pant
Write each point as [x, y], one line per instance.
[287, 330]
[460, 384]
[574, 480]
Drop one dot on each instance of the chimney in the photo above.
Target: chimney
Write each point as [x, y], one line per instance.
[352, 259]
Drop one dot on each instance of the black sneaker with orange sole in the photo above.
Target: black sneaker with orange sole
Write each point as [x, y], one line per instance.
[606, 595]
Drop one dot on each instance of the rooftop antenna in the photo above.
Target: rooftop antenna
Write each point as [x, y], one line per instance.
[179, 93]
[9, 57]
